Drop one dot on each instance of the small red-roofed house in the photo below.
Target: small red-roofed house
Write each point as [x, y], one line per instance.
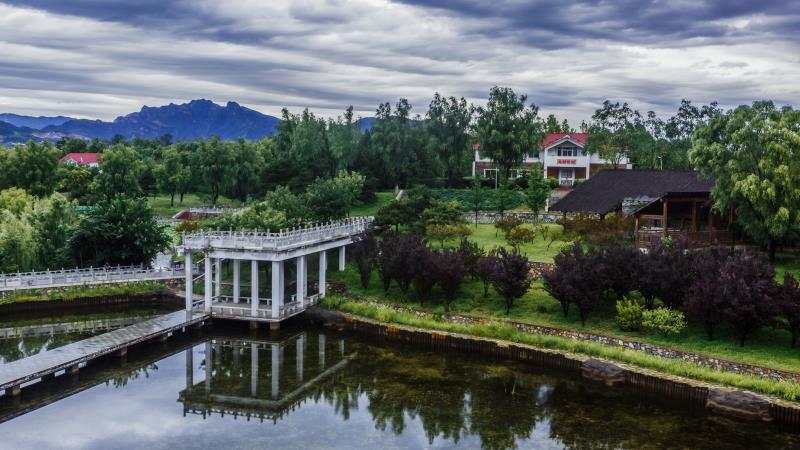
[81, 159]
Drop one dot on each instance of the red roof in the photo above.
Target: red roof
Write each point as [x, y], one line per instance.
[551, 138]
[82, 159]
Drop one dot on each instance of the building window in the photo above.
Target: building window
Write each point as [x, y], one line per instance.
[489, 173]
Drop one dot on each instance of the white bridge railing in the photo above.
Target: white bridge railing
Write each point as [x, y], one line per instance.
[276, 241]
[91, 275]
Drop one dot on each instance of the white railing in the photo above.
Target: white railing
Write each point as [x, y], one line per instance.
[264, 310]
[91, 275]
[248, 240]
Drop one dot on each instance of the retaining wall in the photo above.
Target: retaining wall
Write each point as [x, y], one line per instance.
[55, 305]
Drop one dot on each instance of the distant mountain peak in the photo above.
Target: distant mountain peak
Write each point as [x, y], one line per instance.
[196, 119]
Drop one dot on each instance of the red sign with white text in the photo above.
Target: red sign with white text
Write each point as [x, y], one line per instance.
[566, 161]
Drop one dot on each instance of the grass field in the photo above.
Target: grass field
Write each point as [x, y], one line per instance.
[542, 249]
[161, 206]
[369, 209]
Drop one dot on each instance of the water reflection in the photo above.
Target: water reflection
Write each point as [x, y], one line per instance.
[311, 389]
[260, 378]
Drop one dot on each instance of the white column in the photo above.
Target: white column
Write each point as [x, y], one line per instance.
[277, 288]
[323, 267]
[209, 365]
[217, 278]
[207, 290]
[254, 288]
[236, 280]
[321, 351]
[341, 258]
[189, 288]
[301, 279]
[253, 369]
[276, 370]
[301, 346]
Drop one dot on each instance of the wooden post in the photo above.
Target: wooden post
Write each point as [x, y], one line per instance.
[664, 216]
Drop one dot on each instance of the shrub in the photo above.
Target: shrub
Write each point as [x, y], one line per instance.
[666, 273]
[489, 198]
[747, 287]
[449, 271]
[423, 267]
[664, 320]
[506, 224]
[520, 235]
[788, 298]
[472, 253]
[630, 311]
[594, 231]
[445, 232]
[512, 276]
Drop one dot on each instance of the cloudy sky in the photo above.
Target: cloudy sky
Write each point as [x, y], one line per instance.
[100, 59]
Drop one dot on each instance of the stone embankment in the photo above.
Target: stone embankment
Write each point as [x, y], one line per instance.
[733, 403]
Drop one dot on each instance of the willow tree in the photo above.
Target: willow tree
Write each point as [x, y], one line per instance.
[753, 154]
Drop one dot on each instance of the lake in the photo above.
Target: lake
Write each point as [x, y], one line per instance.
[307, 388]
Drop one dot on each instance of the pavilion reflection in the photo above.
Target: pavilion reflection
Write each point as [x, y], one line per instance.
[261, 378]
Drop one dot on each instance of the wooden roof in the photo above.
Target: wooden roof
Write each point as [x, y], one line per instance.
[604, 192]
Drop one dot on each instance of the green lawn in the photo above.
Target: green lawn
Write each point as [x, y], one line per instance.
[543, 249]
[787, 262]
[768, 347]
[369, 209]
[161, 204]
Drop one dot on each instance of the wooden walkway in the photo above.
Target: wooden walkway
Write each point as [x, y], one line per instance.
[91, 276]
[69, 357]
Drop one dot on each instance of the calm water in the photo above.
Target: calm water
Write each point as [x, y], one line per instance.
[307, 390]
[41, 339]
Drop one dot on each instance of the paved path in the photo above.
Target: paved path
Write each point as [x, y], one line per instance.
[34, 367]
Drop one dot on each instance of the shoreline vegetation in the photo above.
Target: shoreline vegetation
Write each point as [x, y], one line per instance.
[71, 293]
[784, 390]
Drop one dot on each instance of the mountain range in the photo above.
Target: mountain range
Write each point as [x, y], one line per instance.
[194, 120]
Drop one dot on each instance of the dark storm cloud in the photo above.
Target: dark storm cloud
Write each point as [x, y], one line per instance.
[568, 56]
[558, 24]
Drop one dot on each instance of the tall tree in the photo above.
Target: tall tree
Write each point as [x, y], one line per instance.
[248, 164]
[447, 126]
[753, 154]
[120, 167]
[33, 166]
[119, 230]
[174, 173]
[214, 161]
[506, 129]
[344, 139]
[616, 132]
[538, 190]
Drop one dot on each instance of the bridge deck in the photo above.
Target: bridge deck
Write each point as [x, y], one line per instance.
[69, 327]
[28, 369]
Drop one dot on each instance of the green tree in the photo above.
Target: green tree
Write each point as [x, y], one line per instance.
[119, 230]
[476, 198]
[214, 161]
[344, 139]
[173, 173]
[332, 198]
[77, 181]
[753, 154]
[248, 164]
[538, 191]
[506, 129]
[16, 201]
[447, 126]
[17, 243]
[33, 168]
[120, 168]
[53, 220]
[616, 132]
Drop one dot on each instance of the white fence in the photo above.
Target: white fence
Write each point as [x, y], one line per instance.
[276, 241]
[92, 275]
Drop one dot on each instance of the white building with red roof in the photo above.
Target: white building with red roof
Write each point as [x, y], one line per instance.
[81, 159]
[562, 156]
